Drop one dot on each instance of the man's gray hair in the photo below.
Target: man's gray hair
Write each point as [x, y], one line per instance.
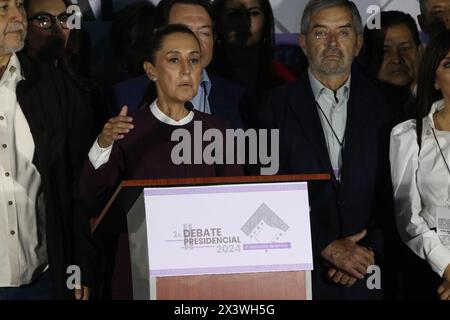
[315, 6]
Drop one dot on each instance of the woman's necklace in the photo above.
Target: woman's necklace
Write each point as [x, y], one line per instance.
[437, 142]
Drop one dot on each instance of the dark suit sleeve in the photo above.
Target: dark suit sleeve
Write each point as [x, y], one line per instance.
[265, 115]
[97, 186]
[80, 136]
[381, 227]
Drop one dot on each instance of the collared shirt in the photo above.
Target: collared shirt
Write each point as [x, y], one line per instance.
[98, 156]
[333, 107]
[200, 101]
[96, 7]
[421, 187]
[23, 254]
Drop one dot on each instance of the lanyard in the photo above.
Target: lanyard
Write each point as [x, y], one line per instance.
[440, 149]
[341, 143]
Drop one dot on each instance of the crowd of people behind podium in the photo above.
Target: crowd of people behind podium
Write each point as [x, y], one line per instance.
[369, 106]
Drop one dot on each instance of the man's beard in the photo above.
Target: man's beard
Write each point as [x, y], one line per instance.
[335, 70]
[11, 28]
[14, 49]
[11, 50]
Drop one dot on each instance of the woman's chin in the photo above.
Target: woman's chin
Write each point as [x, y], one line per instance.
[186, 96]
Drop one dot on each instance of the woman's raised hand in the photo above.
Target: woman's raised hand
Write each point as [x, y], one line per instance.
[115, 129]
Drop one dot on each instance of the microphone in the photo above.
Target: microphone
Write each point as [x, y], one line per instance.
[189, 106]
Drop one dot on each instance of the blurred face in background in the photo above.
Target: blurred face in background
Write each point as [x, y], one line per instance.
[47, 36]
[401, 57]
[176, 69]
[243, 22]
[436, 18]
[197, 19]
[13, 26]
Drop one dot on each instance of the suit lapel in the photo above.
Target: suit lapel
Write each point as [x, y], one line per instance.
[88, 13]
[302, 104]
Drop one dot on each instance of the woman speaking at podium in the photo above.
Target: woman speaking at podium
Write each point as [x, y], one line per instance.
[140, 146]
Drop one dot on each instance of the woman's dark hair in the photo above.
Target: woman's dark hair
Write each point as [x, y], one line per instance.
[160, 34]
[372, 55]
[26, 3]
[262, 78]
[434, 53]
[131, 32]
[153, 47]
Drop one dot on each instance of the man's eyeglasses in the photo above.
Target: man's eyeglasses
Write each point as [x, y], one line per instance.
[47, 21]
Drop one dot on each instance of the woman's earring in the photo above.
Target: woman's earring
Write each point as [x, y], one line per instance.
[436, 86]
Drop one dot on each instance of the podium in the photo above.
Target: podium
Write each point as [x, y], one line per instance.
[125, 212]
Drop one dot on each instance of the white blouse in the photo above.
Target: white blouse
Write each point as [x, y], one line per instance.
[421, 187]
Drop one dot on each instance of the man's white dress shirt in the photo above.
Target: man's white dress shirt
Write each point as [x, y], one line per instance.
[23, 254]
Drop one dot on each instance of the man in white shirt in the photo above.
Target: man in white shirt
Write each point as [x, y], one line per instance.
[39, 233]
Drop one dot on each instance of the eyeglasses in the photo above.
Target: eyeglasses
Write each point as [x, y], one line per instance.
[322, 34]
[47, 21]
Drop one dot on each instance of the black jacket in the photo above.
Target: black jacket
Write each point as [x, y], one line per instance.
[359, 201]
[60, 127]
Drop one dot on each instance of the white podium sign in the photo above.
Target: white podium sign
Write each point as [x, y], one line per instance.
[227, 229]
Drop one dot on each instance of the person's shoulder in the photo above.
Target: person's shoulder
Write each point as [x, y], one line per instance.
[362, 82]
[142, 115]
[287, 87]
[405, 130]
[144, 125]
[292, 91]
[403, 144]
[367, 94]
[139, 82]
[40, 72]
[225, 84]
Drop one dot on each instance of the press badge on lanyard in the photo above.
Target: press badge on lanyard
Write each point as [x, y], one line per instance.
[443, 225]
[337, 174]
[443, 213]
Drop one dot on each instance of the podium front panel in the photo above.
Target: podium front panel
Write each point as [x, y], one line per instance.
[255, 286]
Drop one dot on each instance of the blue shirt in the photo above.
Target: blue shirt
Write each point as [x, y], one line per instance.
[200, 101]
